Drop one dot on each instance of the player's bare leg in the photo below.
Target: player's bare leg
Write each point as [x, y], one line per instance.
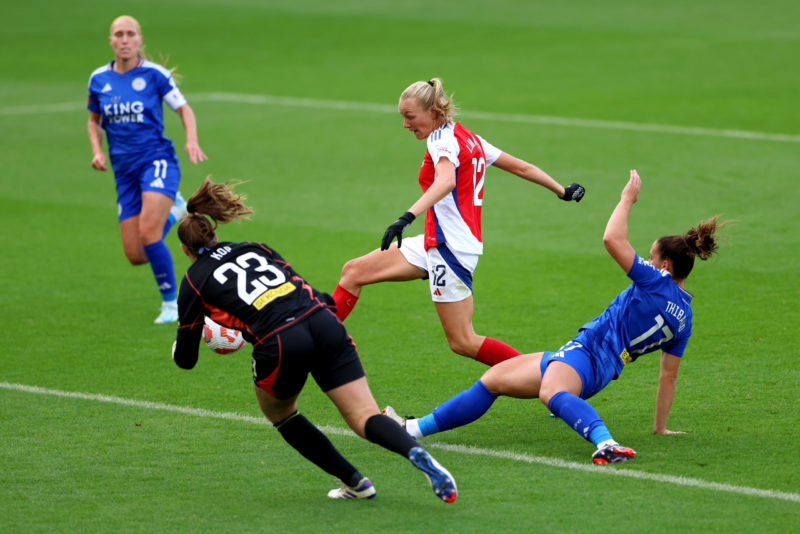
[519, 377]
[456, 318]
[153, 217]
[131, 241]
[356, 403]
[377, 266]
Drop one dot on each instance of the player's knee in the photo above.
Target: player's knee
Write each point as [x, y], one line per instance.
[547, 391]
[353, 273]
[358, 421]
[346, 270]
[496, 381]
[149, 234]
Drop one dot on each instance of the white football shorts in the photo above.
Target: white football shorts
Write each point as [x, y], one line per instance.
[449, 273]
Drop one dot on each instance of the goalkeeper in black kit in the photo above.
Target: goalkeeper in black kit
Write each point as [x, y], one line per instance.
[294, 331]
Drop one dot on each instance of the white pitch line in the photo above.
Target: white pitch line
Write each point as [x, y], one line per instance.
[33, 109]
[573, 122]
[500, 117]
[461, 449]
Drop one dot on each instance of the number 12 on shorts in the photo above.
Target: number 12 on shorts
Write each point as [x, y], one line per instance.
[438, 273]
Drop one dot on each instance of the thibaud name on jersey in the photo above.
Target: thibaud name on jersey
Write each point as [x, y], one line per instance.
[124, 111]
[677, 312]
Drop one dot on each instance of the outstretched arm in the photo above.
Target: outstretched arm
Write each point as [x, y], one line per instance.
[529, 172]
[667, 378]
[615, 237]
[192, 146]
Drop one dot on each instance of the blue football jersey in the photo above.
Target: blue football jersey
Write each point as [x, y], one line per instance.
[130, 105]
[653, 313]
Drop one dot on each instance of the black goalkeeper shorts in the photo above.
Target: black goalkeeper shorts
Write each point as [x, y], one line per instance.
[319, 345]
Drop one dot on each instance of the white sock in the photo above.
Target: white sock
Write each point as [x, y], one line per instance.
[412, 427]
[607, 443]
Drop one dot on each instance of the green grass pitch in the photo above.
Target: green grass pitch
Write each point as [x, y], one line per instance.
[101, 432]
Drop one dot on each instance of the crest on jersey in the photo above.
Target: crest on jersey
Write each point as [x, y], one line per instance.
[138, 84]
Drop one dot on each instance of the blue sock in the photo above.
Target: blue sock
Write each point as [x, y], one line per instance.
[600, 434]
[427, 425]
[171, 220]
[460, 410]
[163, 269]
[577, 413]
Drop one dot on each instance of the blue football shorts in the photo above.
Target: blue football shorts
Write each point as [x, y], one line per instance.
[594, 376]
[159, 172]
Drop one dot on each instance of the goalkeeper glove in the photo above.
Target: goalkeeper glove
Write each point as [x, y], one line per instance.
[573, 192]
[396, 230]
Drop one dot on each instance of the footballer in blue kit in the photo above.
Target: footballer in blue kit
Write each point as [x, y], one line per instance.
[653, 313]
[126, 99]
[143, 159]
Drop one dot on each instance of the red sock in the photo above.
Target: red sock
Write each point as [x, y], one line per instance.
[345, 302]
[493, 351]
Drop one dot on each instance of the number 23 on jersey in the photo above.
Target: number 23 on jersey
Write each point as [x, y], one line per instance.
[257, 281]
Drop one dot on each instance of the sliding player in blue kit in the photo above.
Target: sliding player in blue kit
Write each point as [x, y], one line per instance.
[653, 313]
[125, 100]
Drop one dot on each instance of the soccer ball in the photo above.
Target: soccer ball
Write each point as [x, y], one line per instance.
[221, 339]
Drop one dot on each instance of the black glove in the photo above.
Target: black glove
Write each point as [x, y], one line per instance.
[396, 230]
[573, 192]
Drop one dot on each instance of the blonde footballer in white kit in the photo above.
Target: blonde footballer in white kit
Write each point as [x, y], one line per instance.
[452, 179]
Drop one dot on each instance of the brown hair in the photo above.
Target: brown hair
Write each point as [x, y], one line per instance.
[681, 250]
[431, 94]
[210, 205]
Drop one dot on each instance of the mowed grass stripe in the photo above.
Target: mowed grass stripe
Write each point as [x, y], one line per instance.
[574, 122]
[461, 449]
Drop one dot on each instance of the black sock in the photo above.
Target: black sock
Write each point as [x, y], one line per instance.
[309, 441]
[382, 431]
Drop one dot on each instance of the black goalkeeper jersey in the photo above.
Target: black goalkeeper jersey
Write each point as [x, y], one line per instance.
[247, 286]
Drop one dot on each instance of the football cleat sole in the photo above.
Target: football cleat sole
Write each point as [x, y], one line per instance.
[440, 479]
